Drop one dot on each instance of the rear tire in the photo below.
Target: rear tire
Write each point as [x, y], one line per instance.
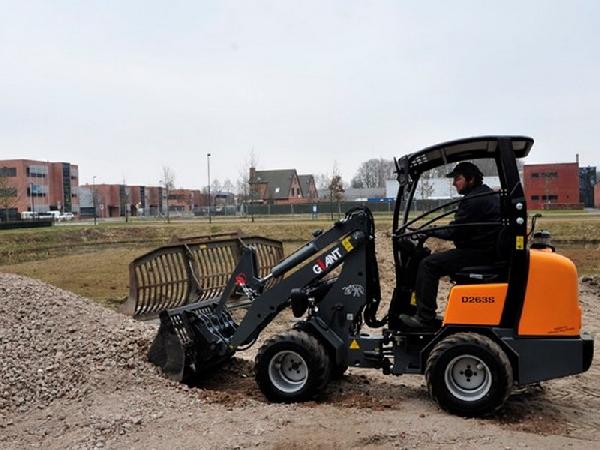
[468, 374]
[292, 367]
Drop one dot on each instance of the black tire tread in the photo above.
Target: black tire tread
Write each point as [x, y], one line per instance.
[469, 339]
[319, 365]
[336, 371]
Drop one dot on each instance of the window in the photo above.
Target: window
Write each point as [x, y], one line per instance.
[8, 171]
[8, 192]
[37, 171]
[550, 197]
[544, 175]
[37, 190]
[535, 197]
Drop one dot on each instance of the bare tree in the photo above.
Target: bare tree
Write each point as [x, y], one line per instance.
[425, 184]
[335, 188]
[243, 183]
[216, 186]
[322, 181]
[228, 186]
[373, 173]
[8, 193]
[168, 182]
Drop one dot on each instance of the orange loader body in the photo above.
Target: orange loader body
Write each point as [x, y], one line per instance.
[551, 305]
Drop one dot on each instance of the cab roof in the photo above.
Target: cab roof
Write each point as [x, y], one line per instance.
[465, 149]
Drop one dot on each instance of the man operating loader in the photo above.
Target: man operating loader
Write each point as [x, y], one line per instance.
[474, 245]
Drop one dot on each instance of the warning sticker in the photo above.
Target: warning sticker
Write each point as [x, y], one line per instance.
[520, 243]
[413, 299]
[354, 345]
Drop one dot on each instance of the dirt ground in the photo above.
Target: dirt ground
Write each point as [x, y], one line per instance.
[74, 375]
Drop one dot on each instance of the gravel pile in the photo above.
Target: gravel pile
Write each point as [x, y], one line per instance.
[54, 344]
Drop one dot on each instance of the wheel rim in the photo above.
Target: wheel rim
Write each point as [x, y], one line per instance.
[288, 371]
[468, 378]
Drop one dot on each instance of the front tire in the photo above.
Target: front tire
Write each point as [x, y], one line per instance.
[469, 374]
[292, 367]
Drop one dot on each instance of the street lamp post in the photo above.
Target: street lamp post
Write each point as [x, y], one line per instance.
[208, 168]
[94, 198]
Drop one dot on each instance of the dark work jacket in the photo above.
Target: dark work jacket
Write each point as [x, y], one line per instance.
[470, 210]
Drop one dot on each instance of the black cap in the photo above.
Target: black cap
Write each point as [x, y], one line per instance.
[465, 168]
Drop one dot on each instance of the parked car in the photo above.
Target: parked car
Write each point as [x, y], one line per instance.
[54, 215]
[66, 216]
[28, 215]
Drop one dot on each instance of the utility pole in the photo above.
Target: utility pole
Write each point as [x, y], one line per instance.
[208, 168]
[94, 198]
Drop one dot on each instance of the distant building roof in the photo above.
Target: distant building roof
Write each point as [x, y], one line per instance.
[278, 181]
[305, 184]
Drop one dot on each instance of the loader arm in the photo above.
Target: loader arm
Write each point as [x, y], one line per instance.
[195, 338]
[332, 248]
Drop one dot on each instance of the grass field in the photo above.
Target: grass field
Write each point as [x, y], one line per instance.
[93, 260]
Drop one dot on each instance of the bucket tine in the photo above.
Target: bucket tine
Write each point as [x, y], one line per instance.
[167, 352]
[192, 340]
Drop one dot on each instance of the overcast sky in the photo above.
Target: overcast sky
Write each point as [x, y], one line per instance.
[122, 88]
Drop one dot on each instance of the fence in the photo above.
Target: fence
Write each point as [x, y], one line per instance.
[37, 223]
[326, 208]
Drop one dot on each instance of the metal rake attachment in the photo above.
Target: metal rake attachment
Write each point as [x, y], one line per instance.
[191, 270]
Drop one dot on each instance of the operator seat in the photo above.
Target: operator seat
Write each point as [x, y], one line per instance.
[497, 272]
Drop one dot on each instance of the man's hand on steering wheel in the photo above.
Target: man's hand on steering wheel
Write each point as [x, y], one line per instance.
[420, 237]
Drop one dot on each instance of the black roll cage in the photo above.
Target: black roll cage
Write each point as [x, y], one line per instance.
[402, 230]
[505, 150]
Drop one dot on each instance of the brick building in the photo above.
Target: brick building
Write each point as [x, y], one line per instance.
[117, 200]
[552, 186]
[41, 186]
[281, 186]
[186, 201]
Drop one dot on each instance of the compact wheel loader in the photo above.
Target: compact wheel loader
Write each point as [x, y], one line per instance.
[514, 322]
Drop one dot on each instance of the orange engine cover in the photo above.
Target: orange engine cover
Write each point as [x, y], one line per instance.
[476, 304]
[551, 304]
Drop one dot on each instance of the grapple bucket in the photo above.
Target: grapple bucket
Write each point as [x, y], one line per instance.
[190, 271]
[192, 340]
